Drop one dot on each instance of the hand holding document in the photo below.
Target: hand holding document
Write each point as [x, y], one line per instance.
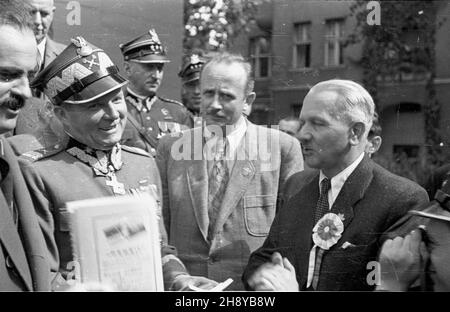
[116, 242]
[218, 287]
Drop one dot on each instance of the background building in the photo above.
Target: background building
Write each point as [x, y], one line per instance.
[299, 43]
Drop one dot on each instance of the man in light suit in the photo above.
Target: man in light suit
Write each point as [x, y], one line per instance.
[329, 226]
[23, 265]
[219, 209]
[37, 117]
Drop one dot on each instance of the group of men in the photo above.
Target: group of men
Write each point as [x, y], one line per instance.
[233, 196]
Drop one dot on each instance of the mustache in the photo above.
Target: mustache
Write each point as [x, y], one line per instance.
[14, 102]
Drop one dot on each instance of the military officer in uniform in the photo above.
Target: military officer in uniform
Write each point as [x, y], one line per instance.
[85, 89]
[150, 116]
[190, 89]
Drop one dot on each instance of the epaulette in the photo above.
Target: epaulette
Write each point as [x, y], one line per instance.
[170, 101]
[135, 150]
[23, 143]
[27, 146]
[36, 155]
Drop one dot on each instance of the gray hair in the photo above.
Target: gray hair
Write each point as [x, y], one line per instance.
[15, 13]
[354, 104]
[230, 58]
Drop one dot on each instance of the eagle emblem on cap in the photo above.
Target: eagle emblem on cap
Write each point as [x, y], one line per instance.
[153, 35]
[83, 48]
[195, 59]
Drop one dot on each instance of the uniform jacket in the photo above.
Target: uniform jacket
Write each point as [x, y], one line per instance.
[248, 206]
[23, 262]
[371, 200]
[55, 177]
[36, 116]
[165, 116]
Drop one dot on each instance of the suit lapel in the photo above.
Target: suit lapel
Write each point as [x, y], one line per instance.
[240, 176]
[304, 202]
[353, 190]
[11, 241]
[197, 183]
[50, 52]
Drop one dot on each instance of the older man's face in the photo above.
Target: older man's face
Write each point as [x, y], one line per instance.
[99, 124]
[324, 138]
[42, 13]
[17, 63]
[223, 93]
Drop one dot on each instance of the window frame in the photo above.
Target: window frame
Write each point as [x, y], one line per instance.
[305, 40]
[337, 39]
[255, 59]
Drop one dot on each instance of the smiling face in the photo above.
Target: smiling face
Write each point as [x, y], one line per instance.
[325, 139]
[144, 78]
[99, 124]
[42, 13]
[17, 62]
[223, 93]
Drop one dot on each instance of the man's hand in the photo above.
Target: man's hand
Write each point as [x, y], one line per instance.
[182, 283]
[400, 261]
[277, 275]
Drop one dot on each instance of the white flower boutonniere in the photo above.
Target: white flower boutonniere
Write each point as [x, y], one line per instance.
[327, 231]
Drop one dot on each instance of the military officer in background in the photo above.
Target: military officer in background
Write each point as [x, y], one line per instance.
[150, 116]
[191, 67]
[85, 89]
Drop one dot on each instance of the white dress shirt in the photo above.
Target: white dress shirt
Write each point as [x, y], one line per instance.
[337, 182]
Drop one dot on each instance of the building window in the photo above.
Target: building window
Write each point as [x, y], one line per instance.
[260, 50]
[333, 42]
[301, 57]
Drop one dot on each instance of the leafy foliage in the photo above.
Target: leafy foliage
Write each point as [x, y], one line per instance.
[213, 24]
[403, 46]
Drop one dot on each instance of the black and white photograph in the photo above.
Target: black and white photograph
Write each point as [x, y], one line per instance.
[285, 146]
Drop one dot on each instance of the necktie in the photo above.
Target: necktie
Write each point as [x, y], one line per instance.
[322, 206]
[321, 209]
[218, 181]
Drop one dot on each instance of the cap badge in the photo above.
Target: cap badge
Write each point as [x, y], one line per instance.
[91, 62]
[195, 59]
[164, 111]
[83, 48]
[153, 35]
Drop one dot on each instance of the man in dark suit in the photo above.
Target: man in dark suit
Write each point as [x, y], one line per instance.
[327, 231]
[37, 117]
[221, 181]
[23, 265]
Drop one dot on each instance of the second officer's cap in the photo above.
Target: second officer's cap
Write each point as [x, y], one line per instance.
[146, 48]
[191, 66]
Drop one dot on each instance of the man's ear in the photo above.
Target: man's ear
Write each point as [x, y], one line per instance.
[127, 68]
[248, 103]
[356, 133]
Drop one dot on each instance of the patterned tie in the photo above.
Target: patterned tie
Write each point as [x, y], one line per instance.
[321, 209]
[322, 204]
[218, 181]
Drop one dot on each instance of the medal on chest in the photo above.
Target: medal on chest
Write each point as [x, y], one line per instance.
[102, 166]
